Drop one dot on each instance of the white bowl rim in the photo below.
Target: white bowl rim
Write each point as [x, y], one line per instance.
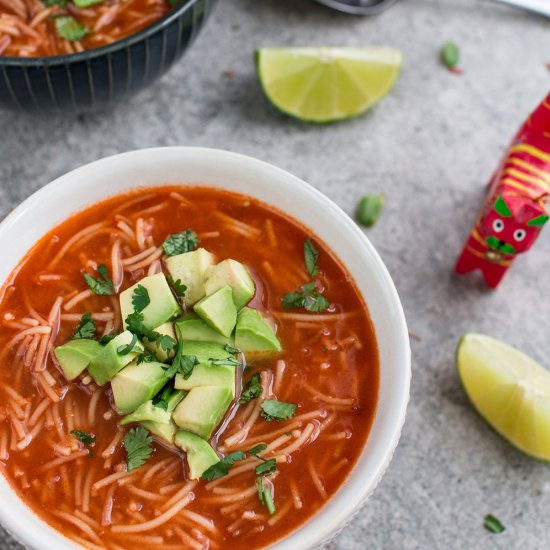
[31, 531]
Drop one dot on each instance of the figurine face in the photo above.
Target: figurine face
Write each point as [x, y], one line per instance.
[510, 230]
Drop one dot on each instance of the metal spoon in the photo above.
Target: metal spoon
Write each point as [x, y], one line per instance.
[358, 7]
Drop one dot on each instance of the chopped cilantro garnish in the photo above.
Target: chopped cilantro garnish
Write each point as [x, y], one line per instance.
[103, 285]
[311, 255]
[177, 285]
[325, 349]
[137, 443]
[140, 298]
[106, 338]
[180, 242]
[265, 495]
[161, 401]
[86, 3]
[165, 342]
[85, 328]
[230, 349]
[277, 410]
[257, 449]
[134, 323]
[307, 297]
[181, 363]
[252, 390]
[221, 468]
[229, 361]
[493, 524]
[86, 438]
[267, 467]
[60, 3]
[126, 349]
[147, 357]
[69, 28]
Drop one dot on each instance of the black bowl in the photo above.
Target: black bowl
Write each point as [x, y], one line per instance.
[95, 79]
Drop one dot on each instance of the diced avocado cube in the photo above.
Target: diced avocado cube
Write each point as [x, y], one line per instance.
[162, 305]
[75, 356]
[147, 411]
[174, 400]
[164, 431]
[236, 275]
[136, 384]
[254, 335]
[200, 455]
[218, 310]
[202, 409]
[208, 375]
[204, 351]
[108, 361]
[190, 268]
[166, 329]
[191, 327]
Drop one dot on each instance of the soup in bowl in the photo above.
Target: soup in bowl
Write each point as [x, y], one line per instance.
[199, 351]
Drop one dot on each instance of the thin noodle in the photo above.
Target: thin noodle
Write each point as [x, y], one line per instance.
[74, 239]
[84, 527]
[62, 460]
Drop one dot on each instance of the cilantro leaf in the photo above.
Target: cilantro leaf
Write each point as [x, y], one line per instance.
[85, 328]
[221, 468]
[265, 495]
[180, 242]
[83, 437]
[161, 400]
[229, 361]
[134, 323]
[277, 410]
[185, 364]
[252, 390]
[257, 449]
[311, 255]
[267, 467]
[102, 286]
[140, 298]
[137, 444]
[147, 357]
[126, 349]
[69, 28]
[165, 342]
[231, 349]
[177, 285]
[106, 338]
[307, 297]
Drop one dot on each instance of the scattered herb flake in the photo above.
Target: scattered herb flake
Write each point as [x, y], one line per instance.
[69, 28]
[161, 401]
[267, 467]
[229, 361]
[137, 444]
[307, 297]
[369, 209]
[277, 410]
[102, 286]
[450, 55]
[252, 390]
[147, 357]
[126, 349]
[134, 323]
[140, 298]
[493, 525]
[257, 449]
[325, 349]
[181, 364]
[106, 338]
[177, 285]
[85, 328]
[311, 256]
[86, 3]
[231, 349]
[186, 241]
[83, 437]
[221, 468]
[265, 495]
[60, 3]
[165, 342]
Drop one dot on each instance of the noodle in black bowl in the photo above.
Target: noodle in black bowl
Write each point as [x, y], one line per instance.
[96, 79]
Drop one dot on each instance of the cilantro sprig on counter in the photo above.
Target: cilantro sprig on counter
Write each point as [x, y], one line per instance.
[137, 444]
[85, 328]
[178, 243]
[103, 286]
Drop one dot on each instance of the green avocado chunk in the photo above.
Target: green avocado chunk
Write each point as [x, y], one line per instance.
[136, 384]
[208, 375]
[191, 327]
[218, 310]
[165, 432]
[236, 275]
[202, 409]
[200, 455]
[166, 329]
[190, 268]
[204, 351]
[253, 334]
[108, 361]
[147, 411]
[75, 356]
[162, 305]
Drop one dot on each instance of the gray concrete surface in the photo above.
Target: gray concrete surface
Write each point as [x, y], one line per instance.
[430, 147]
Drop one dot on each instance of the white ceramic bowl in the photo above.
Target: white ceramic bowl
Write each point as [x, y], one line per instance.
[181, 165]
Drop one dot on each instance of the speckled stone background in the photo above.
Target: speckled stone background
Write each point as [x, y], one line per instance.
[430, 147]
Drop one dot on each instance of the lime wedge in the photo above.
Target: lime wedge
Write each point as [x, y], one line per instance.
[327, 84]
[510, 391]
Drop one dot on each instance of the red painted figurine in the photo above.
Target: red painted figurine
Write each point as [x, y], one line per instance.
[515, 210]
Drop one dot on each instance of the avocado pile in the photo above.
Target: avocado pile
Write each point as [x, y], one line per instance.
[210, 323]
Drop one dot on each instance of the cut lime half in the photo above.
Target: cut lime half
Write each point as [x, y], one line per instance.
[510, 391]
[327, 84]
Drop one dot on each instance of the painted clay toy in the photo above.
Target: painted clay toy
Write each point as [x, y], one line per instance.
[515, 210]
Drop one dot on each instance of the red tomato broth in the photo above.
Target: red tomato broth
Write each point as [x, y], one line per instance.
[334, 360]
[27, 27]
